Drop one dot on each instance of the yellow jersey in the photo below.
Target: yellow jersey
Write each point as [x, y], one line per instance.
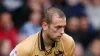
[34, 46]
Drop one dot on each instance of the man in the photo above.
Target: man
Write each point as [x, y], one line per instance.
[51, 41]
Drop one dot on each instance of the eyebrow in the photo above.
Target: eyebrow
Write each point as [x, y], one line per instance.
[61, 26]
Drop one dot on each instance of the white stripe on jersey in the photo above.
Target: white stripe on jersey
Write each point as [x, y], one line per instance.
[13, 52]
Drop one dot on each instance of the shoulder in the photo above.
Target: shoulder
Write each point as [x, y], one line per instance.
[68, 43]
[27, 45]
[67, 38]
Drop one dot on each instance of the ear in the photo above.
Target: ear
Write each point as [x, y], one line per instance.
[44, 26]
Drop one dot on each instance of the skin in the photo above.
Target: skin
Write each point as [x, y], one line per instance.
[52, 32]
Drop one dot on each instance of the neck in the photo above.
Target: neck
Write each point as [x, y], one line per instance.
[47, 41]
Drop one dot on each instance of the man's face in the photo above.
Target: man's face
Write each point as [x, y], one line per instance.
[56, 28]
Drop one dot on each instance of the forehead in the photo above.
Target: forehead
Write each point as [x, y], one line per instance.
[56, 20]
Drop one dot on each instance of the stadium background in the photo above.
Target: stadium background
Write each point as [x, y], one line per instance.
[21, 18]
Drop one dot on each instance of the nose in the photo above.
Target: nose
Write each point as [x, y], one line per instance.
[62, 31]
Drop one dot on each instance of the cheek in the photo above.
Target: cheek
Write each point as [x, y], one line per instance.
[54, 30]
[52, 33]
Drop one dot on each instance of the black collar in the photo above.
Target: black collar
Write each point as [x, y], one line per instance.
[41, 42]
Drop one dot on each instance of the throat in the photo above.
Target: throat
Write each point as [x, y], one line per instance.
[49, 46]
[48, 43]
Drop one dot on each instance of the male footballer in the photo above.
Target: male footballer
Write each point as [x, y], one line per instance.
[50, 41]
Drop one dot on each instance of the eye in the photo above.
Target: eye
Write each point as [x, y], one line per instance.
[64, 26]
[57, 27]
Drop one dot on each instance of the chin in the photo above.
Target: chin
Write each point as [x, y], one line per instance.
[57, 40]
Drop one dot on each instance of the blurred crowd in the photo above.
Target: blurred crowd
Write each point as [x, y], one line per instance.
[21, 18]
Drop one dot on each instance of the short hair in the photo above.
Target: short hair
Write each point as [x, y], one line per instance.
[52, 11]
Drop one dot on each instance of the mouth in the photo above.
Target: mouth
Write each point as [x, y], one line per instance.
[59, 36]
[57, 39]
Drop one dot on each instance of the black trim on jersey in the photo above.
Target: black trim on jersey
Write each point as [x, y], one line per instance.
[42, 42]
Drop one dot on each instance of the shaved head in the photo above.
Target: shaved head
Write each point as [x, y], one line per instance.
[51, 12]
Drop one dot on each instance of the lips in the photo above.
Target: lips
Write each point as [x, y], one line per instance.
[59, 36]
